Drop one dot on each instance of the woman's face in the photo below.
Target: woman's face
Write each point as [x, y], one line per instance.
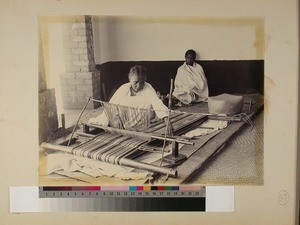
[189, 59]
[137, 82]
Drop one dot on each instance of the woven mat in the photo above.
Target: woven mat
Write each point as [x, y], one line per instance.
[241, 162]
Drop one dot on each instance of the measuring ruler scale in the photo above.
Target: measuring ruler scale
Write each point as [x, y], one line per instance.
[127, 198]
[121, 199]
[122, 191]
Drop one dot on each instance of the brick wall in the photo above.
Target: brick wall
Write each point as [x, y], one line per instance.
[81, 79]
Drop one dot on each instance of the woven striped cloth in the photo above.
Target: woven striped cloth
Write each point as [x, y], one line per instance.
[131, 118]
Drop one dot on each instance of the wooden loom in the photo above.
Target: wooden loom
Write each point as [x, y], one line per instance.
[150, 140]
[122, 147]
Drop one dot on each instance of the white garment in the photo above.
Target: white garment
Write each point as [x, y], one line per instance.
[68, 162]
[145, 98]
[190, 84]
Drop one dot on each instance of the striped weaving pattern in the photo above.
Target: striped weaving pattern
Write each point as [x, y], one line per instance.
[131, 118]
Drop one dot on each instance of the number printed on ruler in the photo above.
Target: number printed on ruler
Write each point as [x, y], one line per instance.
[126, 194]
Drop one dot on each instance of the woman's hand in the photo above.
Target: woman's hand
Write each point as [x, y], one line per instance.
[117, 122]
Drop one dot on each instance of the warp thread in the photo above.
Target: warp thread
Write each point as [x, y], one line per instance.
[131, 118]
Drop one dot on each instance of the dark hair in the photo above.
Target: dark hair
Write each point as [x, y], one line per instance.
[138, 70]
[190, 52]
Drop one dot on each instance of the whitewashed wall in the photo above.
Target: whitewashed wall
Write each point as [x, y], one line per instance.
[167, 38]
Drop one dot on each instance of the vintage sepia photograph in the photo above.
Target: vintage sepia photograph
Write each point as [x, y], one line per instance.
[133, 100]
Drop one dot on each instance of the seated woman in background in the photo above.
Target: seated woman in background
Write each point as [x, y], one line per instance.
[139, 94]
[190, 82]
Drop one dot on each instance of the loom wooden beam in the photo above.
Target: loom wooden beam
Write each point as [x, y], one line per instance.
[140, 135]
[86, 128]
[122, 162]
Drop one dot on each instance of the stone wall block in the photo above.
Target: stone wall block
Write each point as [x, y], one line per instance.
[82, 75]
[76, 94]
[81, 32]
[82, 87]
[81, 63]
[68, 75]
[79, 51]
[89, 82]
[81, 44]
[78, 38]
[77, 26]
[68, 87]
[72, 82]
[68, 99]
[84, 57]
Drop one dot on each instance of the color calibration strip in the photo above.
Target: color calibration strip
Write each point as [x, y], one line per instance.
[193, 198]
[122, 191]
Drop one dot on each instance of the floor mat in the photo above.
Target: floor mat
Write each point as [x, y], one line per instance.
[241, 162]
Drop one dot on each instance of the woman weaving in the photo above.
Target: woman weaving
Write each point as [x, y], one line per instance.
[137, 95]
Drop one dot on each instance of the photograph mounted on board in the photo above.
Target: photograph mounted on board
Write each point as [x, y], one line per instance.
[127, 100]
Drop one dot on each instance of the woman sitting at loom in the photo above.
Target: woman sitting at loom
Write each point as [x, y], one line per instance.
[137, 96]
